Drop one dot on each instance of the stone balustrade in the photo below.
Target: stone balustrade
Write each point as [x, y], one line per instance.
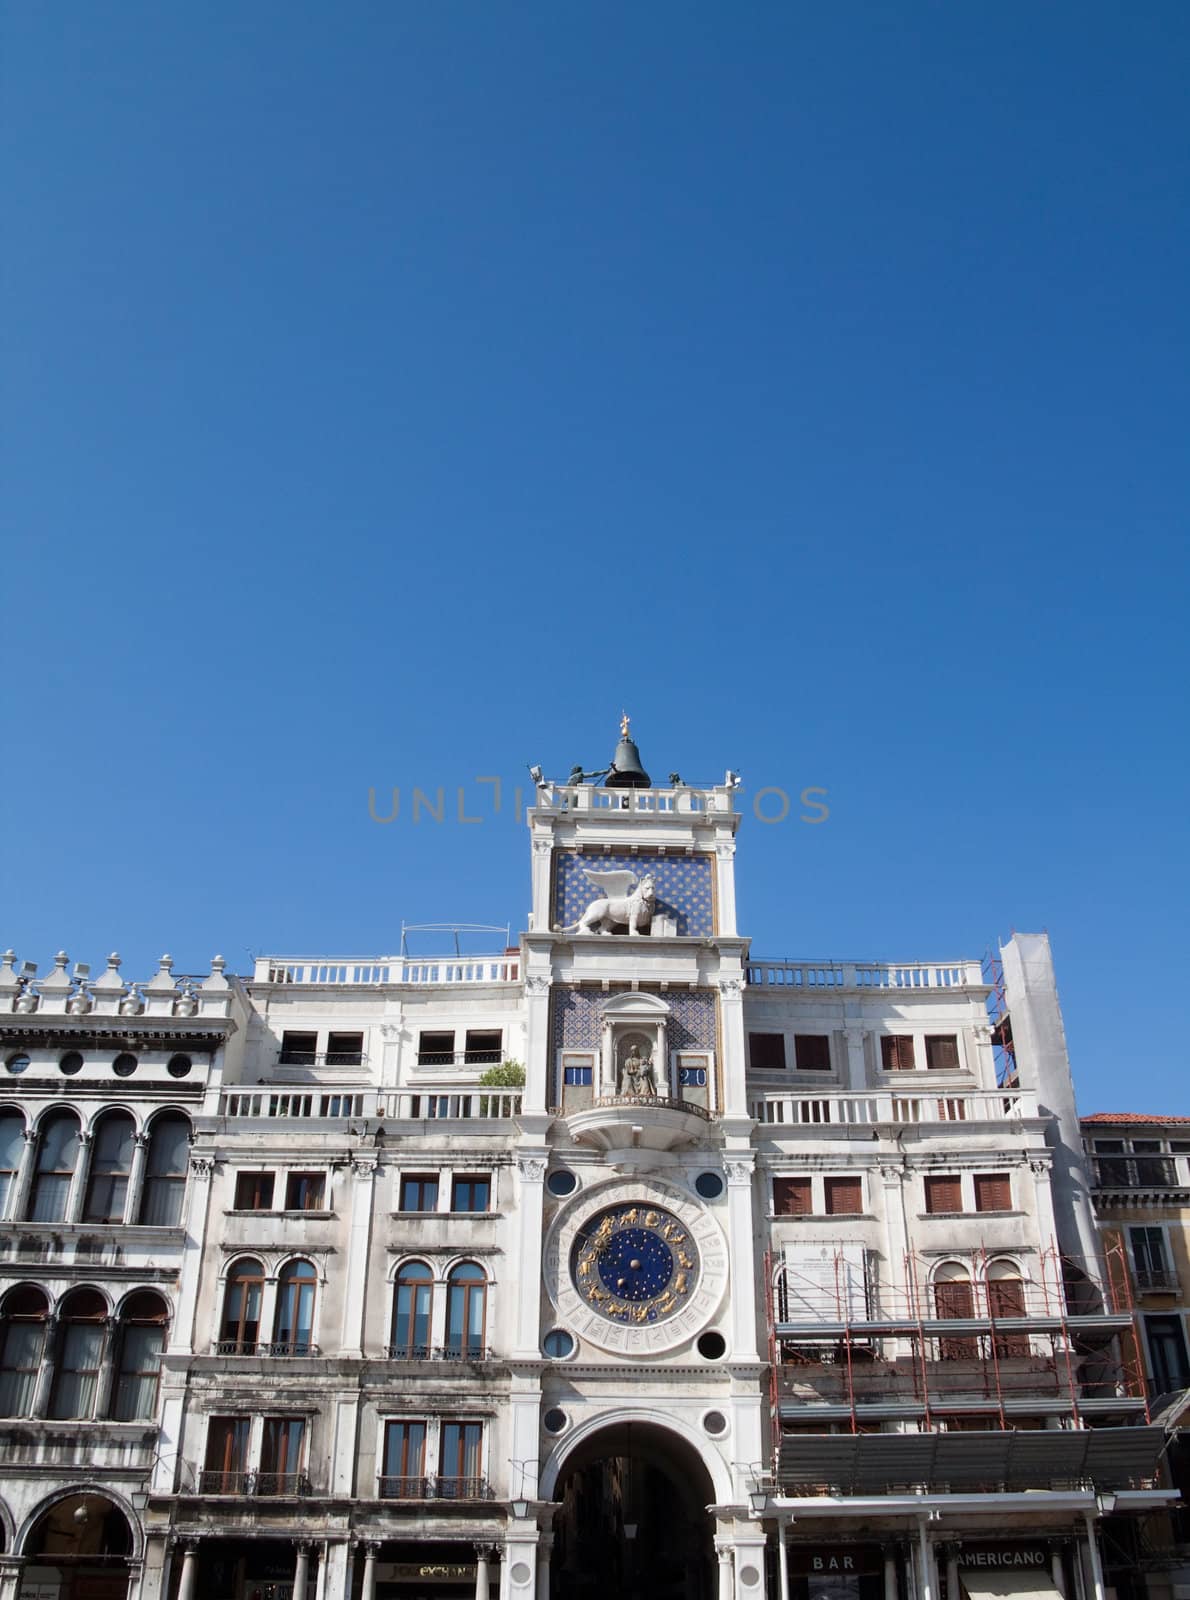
[76, 994]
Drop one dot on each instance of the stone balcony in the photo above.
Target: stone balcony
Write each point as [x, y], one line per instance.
[645, 1122]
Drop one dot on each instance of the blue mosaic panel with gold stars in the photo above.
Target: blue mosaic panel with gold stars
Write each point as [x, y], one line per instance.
[683, 883]
[577, 1015]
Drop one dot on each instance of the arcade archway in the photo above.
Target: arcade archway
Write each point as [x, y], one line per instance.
[632, 1521]
[78, 1549]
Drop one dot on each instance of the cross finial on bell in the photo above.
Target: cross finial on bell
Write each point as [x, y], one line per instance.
[624, 721]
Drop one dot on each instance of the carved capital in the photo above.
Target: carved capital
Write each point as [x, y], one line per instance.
[542, 847]
[729, 988]
[531, 1169]
[725, 851]
[739, 1171]
[855, 1035]
[537, 985]
[142, 1140]
[892, 1171]
[1039, 1165]
[390, 1030]
[84, 1139]
[201, 1166]
[364, 1166]
[982, 1032]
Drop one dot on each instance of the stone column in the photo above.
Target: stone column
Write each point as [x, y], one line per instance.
[77, 1192]
[927, 1588]
[857, 1066]
[725, 888]
[45, 1372]
[189, 1577]
[1094, 1565]
[11, 1568]
[782, 1562]
[545, 1547]
[368, 1591]
[136, 1574]
[107, 1370]
[731, 1032]
[301, 1572]
[952, 1575]
[483, 1583]
[740, 1172]
[182, 1329]
[136, 1177]
[900, 1283]
[891, 1588]
[531, 1164]
[19, 1202]
[323, 1555]
[726, 1576]
[539, 1050]
[363, 1186]
[1058, 1574]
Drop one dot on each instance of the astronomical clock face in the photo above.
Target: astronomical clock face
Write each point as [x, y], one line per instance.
[634, 1263]
[635, 1268]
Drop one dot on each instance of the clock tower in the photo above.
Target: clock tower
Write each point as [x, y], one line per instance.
[635, 1154]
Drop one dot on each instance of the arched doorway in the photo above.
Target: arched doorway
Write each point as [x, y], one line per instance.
[632, 1520]
[78, 1549]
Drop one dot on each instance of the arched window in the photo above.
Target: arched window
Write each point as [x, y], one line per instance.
[142, 1339]
[954, 1300]
[22, 1342]
[411, 1312]
[57, 1155]
[82, 1325]
[12, 1143]
[111, 1164]
[240, 1331]
[1006, 1298]
[165, 1173]
[466, 1300]
[293, 1326]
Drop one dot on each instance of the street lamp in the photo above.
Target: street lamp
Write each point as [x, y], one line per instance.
[759, 1498]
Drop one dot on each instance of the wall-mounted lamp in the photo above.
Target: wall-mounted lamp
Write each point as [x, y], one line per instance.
[759, 1499]
[1105, 1504]
[520, 1508]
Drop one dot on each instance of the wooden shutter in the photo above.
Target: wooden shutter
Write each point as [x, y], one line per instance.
[942, 1052]
[766, 1052]
[812, 1052]
[896, 1052]
[844, 1196]
[993, 1191]
[944, 1194]
[792, 1197]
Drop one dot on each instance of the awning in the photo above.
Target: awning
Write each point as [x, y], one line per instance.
[1032, 1585]
[1050, 1458]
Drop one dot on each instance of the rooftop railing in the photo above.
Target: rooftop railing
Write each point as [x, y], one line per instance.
[304, 1105]
[849, 1108]
[1137, 1172]
[865, 975]
[382, 971]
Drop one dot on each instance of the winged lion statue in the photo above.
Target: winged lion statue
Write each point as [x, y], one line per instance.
[625, 900]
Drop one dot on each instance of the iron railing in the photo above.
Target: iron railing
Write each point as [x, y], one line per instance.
[435, 1488]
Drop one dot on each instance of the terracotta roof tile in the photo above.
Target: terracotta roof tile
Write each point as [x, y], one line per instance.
[1129, 1116]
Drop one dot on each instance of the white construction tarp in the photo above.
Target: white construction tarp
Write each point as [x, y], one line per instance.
[1011, 1583]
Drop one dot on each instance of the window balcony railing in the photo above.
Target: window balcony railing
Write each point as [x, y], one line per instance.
[1156, 1278]
[440, 1488]
[460, 1058]
[439, 1352]
[322, 1058]
[253, 1483]
[1137, 1172]
[251, 1347]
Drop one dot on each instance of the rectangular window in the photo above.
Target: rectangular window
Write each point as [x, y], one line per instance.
[944, 1194]
[436, 1049]
[844, 1197]
[1167, 1354]
[22, 1344]
[942, 1052]
[1149, 1258]
[812, 1052]
[461, 1462]
[298, 1049]
[1146, 1147]
[792, 1197]
[471, 1192]
[419, 1191]
[254, 1191]
[897, 1053]
[280, 1455]
[404, 1461]
[1109, 1147]
[226, 1468]
[344, 1049]
[993, 1191]
[305, 1191]
[483, 1047]
[766, 1051]
[577, 1071]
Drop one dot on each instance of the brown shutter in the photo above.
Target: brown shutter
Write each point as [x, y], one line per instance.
[944, 1194]
[812, 1052]
[792, 1197]
[896, 1052]
[844, 1196]
[942, 1052]
[993, 1191]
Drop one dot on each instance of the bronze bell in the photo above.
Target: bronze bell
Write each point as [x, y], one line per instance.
[626, 771]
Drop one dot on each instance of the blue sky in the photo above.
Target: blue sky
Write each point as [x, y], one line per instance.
[393, 392]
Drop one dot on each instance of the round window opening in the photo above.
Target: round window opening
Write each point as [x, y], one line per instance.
[749, 1577]
[554, 1420]
[124, 1065]
[711, 1346]
[715, 1423]
[558, 1343]
[520, 1573]
[71, 1063]
[18, 1063]
[561, 1183]
[179, 1066]
[709, 1185]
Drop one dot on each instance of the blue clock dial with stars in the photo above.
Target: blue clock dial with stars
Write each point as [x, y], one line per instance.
[634, 1263]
